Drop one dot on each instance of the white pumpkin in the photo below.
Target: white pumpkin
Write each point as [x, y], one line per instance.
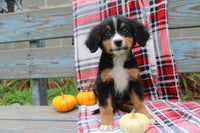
[134, 123]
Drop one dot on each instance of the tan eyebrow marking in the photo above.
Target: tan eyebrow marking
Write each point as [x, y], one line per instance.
[122, 25]
[108, 27]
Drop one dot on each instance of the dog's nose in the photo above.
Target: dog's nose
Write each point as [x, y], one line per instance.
[118, 43]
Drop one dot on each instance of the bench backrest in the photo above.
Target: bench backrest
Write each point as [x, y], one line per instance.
[57, 23]
[37, 62]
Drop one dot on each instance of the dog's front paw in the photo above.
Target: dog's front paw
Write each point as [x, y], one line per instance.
[106, 127]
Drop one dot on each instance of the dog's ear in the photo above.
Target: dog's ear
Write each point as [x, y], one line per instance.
[140, 32]
[93, 40]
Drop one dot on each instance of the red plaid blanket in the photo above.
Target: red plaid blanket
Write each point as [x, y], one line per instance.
[156, 61]
[172, 117]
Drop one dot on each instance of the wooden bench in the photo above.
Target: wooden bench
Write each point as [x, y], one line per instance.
[39, 63]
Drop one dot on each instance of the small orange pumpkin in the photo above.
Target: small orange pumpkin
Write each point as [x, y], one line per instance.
[64, 103]
[86, 98]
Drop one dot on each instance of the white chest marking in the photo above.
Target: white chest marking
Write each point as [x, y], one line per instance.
[119, 73]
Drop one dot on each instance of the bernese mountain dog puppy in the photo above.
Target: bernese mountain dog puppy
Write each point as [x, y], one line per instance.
[118, 84]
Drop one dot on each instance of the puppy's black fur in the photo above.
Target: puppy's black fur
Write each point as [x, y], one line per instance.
[116, 36]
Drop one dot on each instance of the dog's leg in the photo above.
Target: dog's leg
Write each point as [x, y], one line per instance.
[140, 107]
[106, 113]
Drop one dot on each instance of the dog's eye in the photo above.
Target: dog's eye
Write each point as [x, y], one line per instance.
[108, 33]
[124, 30]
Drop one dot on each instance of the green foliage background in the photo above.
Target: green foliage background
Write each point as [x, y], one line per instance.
[19, 90]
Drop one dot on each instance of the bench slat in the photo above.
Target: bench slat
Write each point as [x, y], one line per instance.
[12, 126]
[187, 54]
[183, 13]
[40, 113]
[36, 25]
[37, 119]
[59, 62]
[57, 22]
[37, 63]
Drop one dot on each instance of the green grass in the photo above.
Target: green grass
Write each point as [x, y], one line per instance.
[189, 86]
[15, 96]
[12, 91]
[25, 96]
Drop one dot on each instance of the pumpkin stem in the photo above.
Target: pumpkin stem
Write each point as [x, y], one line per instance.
[63, 98]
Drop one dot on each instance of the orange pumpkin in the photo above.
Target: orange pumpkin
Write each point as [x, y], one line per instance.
[86, 98]
[64, 103]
